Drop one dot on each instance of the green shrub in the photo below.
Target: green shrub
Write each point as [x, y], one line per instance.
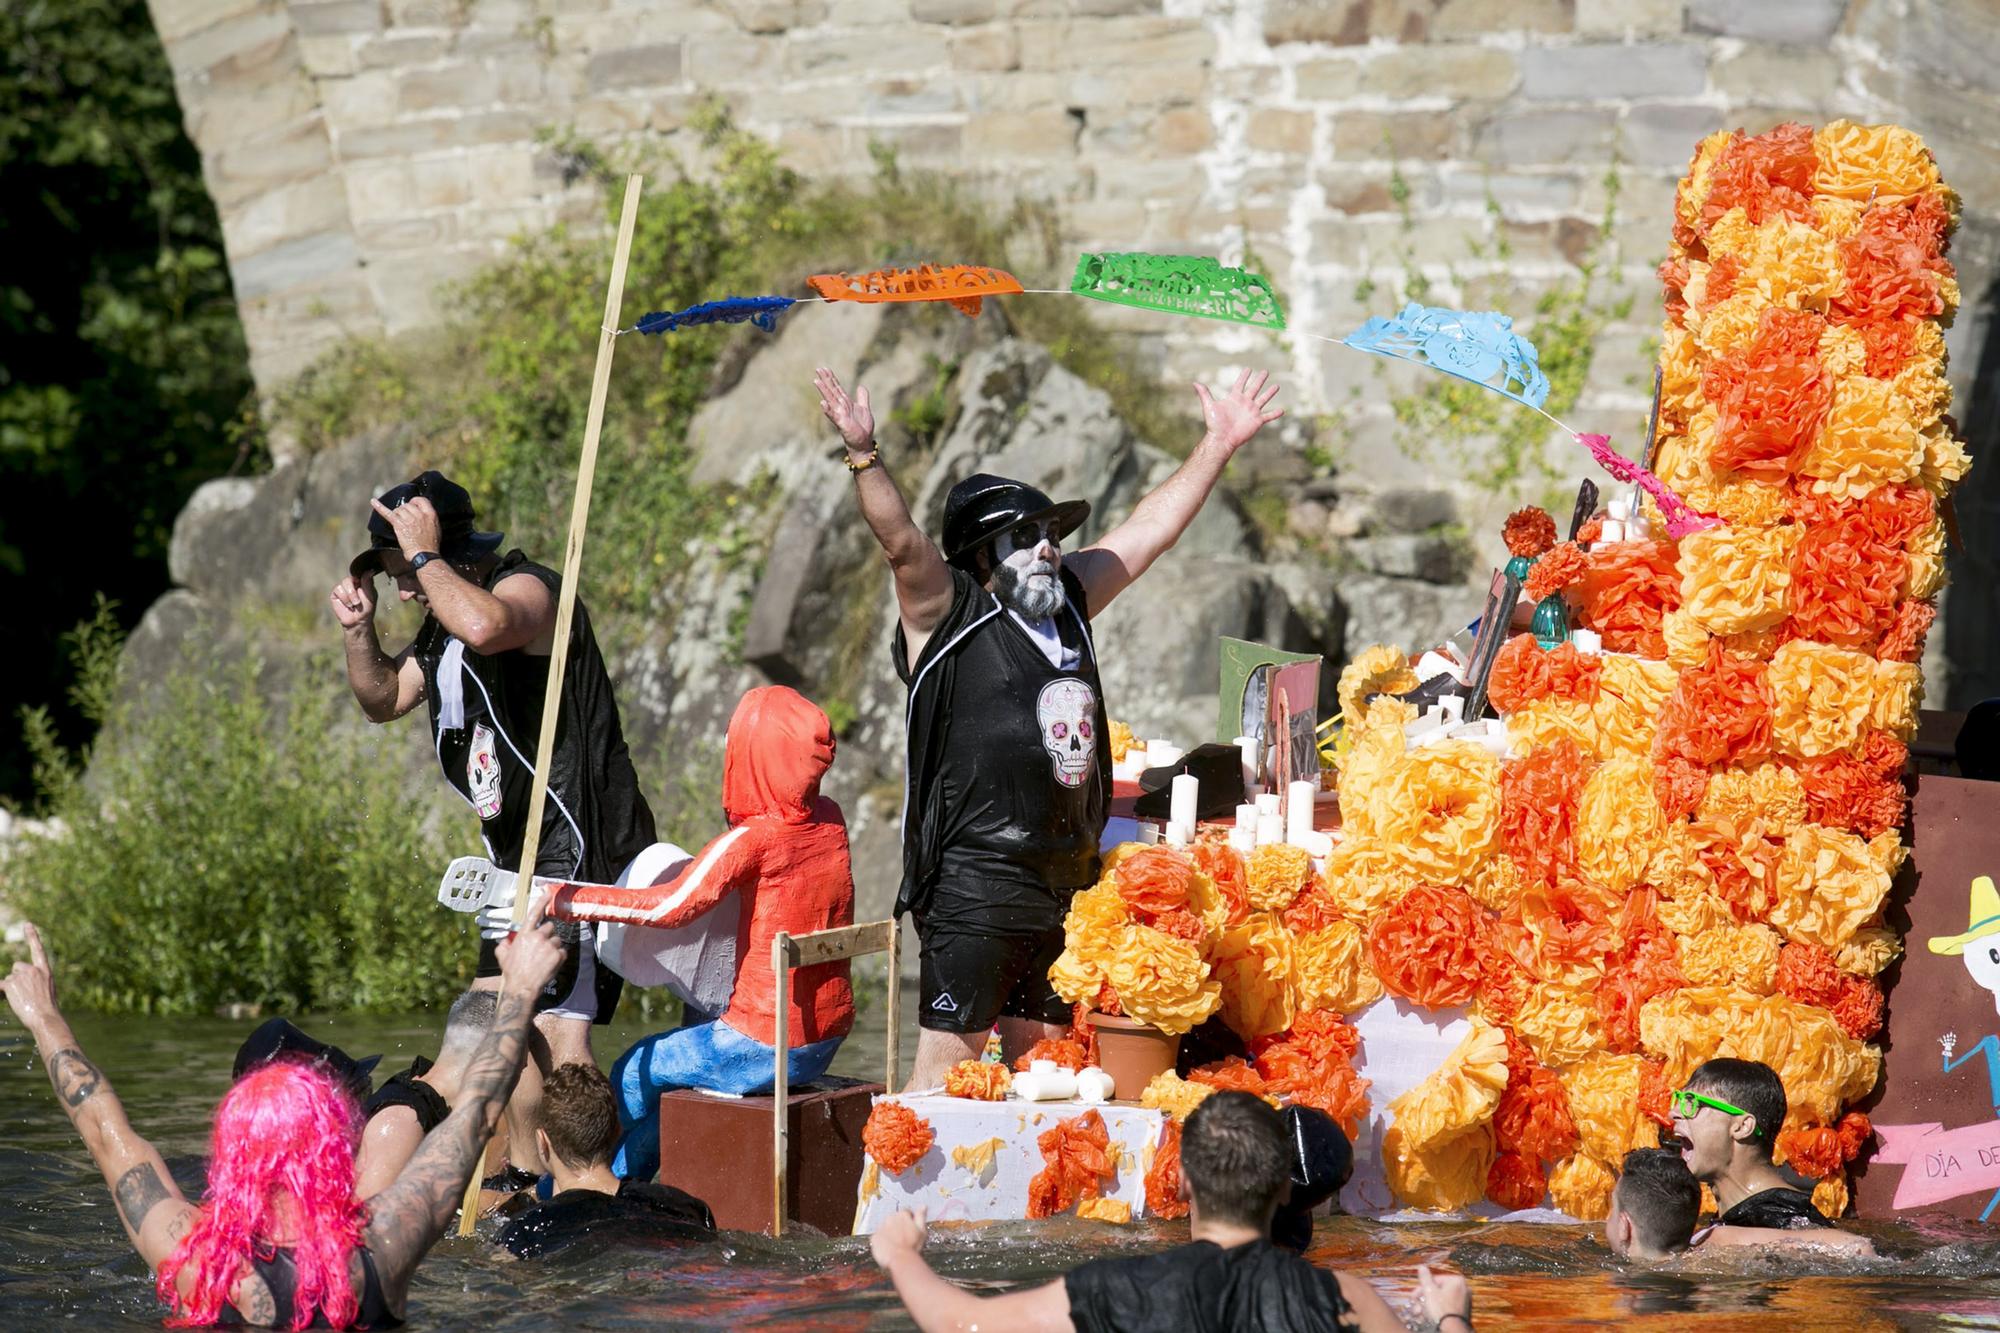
[224, 849]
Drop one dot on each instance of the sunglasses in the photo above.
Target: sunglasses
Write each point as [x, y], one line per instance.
[1688, 1105]
[1027, 536]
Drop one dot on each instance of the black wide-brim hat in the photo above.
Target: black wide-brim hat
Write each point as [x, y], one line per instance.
[1219, 770]
[983, 506]
[458, 539]
[278, 1038]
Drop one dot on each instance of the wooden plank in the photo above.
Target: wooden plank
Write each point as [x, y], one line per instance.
[830, 946]
[579, 520]
[782, 947]
[895, 1005]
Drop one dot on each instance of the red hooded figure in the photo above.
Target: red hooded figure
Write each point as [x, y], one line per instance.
[785, 854]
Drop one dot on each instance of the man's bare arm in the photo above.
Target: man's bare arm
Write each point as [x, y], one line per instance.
[1111, 564]
[923, 579]
[520, 612]
[387, 1144]
[938, 1306]
[386, 687]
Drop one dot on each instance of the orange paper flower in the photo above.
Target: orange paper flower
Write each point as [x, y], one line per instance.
[1426, 947]
[1163, 1177]
[1771, 399]
[1533, 1117]
[1312, 1065]
[1903, 641]
[1078, 1162]
[978, 1080]
[1846, 793]
[1858, 1009]
[1561, 567]
[896, 1137]
[1627, 591]
[1538, 810]
[1719, 712]
[1154, 880]
[1528, 532]
[1845, 584]
[1230, 1074]
[1065, 1052]
[1516, 1181]
[1223, 865]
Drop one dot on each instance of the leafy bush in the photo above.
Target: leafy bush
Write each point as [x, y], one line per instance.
[224, 849]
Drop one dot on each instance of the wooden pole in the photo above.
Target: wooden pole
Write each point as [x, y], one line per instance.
[579, 520]
[781, 1154]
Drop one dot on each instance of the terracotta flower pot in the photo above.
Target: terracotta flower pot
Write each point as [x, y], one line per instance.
[1133, 1053]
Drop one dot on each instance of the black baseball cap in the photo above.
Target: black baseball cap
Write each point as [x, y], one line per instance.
[983, 506]
[279, 1038]
[458, 538]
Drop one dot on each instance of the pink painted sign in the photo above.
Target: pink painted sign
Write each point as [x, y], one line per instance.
[1940, 1163]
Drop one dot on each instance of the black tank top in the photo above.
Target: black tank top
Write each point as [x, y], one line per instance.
[1202, 1288]
[1018, 792]
[595, 820]
[404, 1089]
[281, 1277]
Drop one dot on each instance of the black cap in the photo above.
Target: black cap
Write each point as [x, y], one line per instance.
[1219, 770]
[1321, 1161]
[983, 506]
[458, 539]
[280, 1038]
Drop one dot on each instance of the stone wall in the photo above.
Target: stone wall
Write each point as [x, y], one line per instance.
[363, 151]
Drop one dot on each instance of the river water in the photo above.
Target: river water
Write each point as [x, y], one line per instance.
[64, 1259]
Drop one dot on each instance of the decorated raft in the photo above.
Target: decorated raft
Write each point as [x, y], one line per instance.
[1506, 963]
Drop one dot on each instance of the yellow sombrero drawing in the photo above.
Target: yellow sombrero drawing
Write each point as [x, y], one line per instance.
[1983, 916]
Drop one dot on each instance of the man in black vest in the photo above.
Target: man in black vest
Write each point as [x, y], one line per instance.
[480, 660]
[1009, 761]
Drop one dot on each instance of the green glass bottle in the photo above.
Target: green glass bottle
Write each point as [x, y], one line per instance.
[1518, 567]
[1551, 622]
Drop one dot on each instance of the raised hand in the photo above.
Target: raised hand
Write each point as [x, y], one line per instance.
[1236, 416]
[529, 957]
[415, 523]
[353, 601]
[30, 988]
[1444, 1296]
[852, 417]
[902, 1234]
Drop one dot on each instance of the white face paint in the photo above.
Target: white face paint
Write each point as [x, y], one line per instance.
[1025, 578]
[1982, 960]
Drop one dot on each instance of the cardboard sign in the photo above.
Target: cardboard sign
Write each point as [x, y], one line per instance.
[1236, 716]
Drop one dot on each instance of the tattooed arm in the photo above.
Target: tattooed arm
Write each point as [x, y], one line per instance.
[409, 1216]
[149, 1203]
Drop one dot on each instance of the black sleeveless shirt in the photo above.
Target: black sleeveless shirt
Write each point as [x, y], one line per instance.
[595, 821]
[1203, 1288]
[281, 1277]
[1010, 768]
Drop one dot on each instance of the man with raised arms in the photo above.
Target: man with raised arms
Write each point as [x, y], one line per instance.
[1009, 764]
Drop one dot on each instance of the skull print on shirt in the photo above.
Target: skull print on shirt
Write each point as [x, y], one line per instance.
[1066, 710]
[482, 772]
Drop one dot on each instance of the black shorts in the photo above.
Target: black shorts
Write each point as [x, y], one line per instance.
[571, 996]
[967, 981]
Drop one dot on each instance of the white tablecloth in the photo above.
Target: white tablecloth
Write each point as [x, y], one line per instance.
[953, 1191]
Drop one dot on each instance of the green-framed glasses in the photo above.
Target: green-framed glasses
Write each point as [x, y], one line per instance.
[1689, 1104]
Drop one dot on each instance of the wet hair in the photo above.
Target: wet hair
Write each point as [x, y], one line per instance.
[287, 1128]
[470, 1016]
[580, 1115]
[1753, 1087]
[1233, 1154]
[1661, 1196]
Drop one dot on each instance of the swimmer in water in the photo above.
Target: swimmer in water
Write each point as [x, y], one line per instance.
[281, 1239]
[578, 1138]
[1726, 1119]
[1235, 1171]
[1657, 1201]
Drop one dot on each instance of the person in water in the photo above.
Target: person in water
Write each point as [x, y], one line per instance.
[281, 1237]
[1235, 1171]
[784, 858]
[579, 1133]
[1726, 1119]
[1657, 1202]
[415, 1101]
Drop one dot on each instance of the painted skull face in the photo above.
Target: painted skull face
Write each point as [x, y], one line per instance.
[482, 772]
[1067, 712]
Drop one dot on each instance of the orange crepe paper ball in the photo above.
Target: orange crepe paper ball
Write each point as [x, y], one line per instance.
[1155, 880]
[1426, 946]
[1067, 1053]
[1163, 1177]
[977, 1080]
[896, 1137]
[1626, 593]
[1078, 1161]
[1538, 800]
[1529, 532]
[1515, 1181]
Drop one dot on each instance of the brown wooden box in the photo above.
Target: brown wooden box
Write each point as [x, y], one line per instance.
[719, 1150]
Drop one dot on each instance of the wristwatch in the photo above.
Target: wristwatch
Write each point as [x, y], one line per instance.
[420, 559]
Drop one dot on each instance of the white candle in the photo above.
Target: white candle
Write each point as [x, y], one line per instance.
[1186, 797]
[1244, 839]
[1094, 1085]
[1299, 812]
[1246, 817]
[1587, 641]
[1159, 754]
[1270, 803]
[1149, 832]
[1246, 746]
[1179, 835]
[1454, 708]
[1270, 829]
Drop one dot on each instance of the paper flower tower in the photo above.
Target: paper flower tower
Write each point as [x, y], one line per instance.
[1687, 850]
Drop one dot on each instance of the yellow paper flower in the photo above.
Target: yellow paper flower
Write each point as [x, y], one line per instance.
[1745, 957]
[1618, 823]
[1923, 389]
[1275, 874]
[1206, 901]
[1377, 748]
[1376, 669]
[1364, 876]
[1736, 579]
[1838, 218]
[1879, 164]
[1728, 326]
[1927, 572]
[1121, 741]
[1945, 460]
[1870, 439]
[1676, 868]
[1769, 794]
[1253, 967]
[1333, 971]
[1693, 192]
[1170, 1093]
[1581, 1186]
[1786, 263]
[1497, 884]
[1630, 691]
[1696, 911]
[1830, 1196]
[1458, 1094]
[1160, 980]
[1105, 1209]
[1546, 721]
[1843, 351]
[1821, 1067]
[1687, 640]
[1830, 884]
[1445, 1177]
[1075, 978]
[1680, 375]
[1096, 914]
[1872, 949]
[1822, 697]
[1748, 503]
[1899, 688]
[1604, 1102]
[1438, 809]
[1559, 1024]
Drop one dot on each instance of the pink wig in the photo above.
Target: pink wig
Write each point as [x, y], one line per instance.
[281, 1162]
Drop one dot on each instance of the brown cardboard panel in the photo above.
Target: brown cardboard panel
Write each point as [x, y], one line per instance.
[719, 1150]
[1954, 837]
